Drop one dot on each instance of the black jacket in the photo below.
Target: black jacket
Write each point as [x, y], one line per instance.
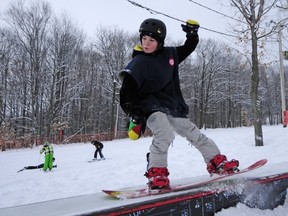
[98, 144]
[151, 81]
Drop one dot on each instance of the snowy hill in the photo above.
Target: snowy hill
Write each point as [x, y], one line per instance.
[126, 164]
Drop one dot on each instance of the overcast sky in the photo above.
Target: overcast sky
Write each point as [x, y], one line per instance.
[90, 14]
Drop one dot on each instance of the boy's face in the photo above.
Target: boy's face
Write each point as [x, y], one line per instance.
[149, 44]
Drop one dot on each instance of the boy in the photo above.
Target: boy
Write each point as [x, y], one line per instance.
[151, 91]
[99, 146]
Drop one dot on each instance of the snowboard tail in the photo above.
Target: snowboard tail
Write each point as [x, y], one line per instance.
[145, 191]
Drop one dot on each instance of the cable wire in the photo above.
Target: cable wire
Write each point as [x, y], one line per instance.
[171, 17]
[225, 15]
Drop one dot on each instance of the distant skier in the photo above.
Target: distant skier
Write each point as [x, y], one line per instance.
[40, 166]
[99, 146]
[48, 150]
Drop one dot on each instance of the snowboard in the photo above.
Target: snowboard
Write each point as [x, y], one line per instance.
[145, 191]
[91, 161]
[20, 170]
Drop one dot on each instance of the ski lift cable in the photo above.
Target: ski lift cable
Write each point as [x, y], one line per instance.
[174, 18]
[225, 15]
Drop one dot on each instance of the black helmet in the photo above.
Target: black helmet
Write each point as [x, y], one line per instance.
[154, 28]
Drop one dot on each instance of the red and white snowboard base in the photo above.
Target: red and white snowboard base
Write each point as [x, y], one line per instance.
[145, 191]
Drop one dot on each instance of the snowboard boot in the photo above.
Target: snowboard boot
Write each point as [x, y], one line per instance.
[158, 178]
[219, 165]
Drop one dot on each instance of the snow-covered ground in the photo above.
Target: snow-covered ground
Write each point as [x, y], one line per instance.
[125, 165]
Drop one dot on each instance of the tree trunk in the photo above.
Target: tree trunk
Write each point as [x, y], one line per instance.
[112, 120]
[254, 93]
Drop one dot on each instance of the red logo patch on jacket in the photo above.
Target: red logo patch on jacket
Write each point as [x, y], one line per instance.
[171, 61]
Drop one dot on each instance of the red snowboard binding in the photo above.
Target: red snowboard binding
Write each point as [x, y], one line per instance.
[219, 165]
[158, 178]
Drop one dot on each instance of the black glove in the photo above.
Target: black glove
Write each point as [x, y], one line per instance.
[138, 119]
[191, 27]
[133, 110]
[127, 107]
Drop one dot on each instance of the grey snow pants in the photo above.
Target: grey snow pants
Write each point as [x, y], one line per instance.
[163, 127]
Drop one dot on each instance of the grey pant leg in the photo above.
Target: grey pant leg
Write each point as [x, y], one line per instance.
[163, 135]
[185, 128]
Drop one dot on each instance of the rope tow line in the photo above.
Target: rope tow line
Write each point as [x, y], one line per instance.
[174, 18]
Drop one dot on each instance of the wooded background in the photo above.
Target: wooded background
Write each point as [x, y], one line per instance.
[57, 85]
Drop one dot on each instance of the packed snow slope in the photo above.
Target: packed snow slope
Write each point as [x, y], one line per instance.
[125, 165]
